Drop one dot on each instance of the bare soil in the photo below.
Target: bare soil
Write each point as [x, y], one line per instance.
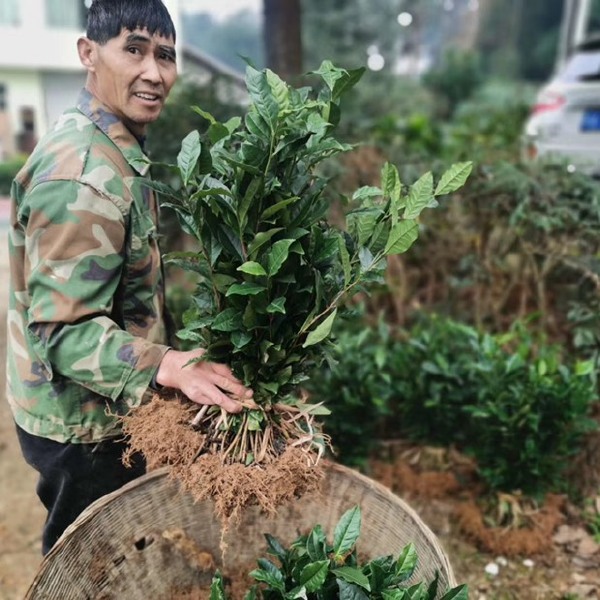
[565, 566]
[21, 514]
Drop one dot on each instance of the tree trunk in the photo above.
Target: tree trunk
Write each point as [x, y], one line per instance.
[283, 38]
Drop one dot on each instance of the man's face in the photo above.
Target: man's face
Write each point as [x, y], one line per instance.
[132, 74]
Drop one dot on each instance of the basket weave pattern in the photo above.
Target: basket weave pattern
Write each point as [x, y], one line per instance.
[119, 547]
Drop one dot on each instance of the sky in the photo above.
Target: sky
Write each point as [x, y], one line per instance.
[220, 9]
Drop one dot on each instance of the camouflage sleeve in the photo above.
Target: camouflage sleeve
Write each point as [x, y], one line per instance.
[75, 248]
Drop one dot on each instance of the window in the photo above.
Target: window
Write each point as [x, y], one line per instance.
[9, 12]
[68, 14]
[593, 19]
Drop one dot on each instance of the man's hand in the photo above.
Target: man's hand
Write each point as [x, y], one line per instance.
[202, 382]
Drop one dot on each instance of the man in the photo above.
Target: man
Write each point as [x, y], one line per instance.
[86, 327]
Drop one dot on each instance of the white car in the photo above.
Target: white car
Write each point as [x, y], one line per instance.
[564, 124]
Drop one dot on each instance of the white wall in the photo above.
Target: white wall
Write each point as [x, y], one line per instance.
[60, 92]
[33, 45]
[40, 67]
[24, 89]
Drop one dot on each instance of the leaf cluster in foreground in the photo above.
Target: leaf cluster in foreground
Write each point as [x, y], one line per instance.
[313, 568]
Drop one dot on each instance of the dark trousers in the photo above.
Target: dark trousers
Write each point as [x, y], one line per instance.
[72, 476]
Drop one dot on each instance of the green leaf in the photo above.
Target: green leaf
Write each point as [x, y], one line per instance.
[258, 126]
[255, 420]
[295, 593]
[406, 562]
[262, 96]
[454, 178]
[366, 192]
[345, 260]
[203, 113]
[321, 332]
[316, 409]
[251, 594]
[316, 544]
[269, 574]
[346, 532]
[349, 591]
[393, 594]
[353, 575]
[313, 575]
[277, 306]
[419, 197]
[216, 131]
[329, 73]
[338, 80]
[361, 223]
[251, 191]
[260, 239]
[390, 181]
[366, 258]
[432, 589]
[317, 124]
[252, 268]
[222, 282]
[279, 89]
[188, 156]
[584, 367]
[245, 289]
[269, 212]
[266, 565]
[458, 593]
[278, 255]
[161, 188]
[349, 80]
[228, 320]
[275, 547]
[217, 588]
[239, 339]
[402, 236]
[197, 324]
[417, 592]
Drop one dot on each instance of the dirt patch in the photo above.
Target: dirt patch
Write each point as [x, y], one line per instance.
[520, 551]
[21, 515]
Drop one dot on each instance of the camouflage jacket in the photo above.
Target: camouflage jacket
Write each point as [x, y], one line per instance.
[86, 328]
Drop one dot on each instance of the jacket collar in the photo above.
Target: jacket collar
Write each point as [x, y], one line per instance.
[115, 129]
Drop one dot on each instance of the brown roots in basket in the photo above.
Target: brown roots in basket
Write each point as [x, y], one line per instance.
[202, 463]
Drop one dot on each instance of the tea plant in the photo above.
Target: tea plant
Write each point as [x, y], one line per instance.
[312, 568]
[509, 400]
[272, 270]
[357, 381]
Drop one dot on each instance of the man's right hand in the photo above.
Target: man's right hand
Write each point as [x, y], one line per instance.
[202, 382]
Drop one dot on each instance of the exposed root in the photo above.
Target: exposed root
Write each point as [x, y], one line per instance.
[258, 437]
[228, 458]
[161, 431]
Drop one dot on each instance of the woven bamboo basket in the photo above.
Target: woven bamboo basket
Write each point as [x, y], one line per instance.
[122, 546]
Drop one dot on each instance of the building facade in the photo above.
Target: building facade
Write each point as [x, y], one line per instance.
[40, 72]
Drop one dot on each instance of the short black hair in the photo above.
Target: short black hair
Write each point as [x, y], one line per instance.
[107, 18]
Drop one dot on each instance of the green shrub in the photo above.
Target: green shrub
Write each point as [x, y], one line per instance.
[8, 171]
[357, 388]
[455, 79]
[508, 400]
